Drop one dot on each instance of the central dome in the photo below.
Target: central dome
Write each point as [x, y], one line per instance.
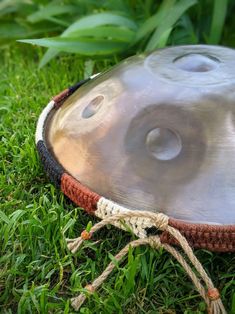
[157, 133]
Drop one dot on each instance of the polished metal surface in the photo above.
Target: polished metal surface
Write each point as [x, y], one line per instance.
[156, 133]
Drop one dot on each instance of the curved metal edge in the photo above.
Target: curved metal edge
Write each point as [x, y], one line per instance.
[212, 237]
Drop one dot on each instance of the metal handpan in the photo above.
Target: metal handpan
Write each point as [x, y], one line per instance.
[155, 133]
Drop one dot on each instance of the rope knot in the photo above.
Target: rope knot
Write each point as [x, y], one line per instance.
[154, 242]
[213, 294]
[161, 221]
[139, 221]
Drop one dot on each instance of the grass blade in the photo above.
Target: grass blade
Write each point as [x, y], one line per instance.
[14, 30]
[169, 21]
[57, 21]
[218, 19]
[164, 38]
[86, 46]
[155, 20]
[48, 56]
[4, 217]
[50, 10]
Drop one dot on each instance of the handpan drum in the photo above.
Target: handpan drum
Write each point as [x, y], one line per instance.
[155, 133]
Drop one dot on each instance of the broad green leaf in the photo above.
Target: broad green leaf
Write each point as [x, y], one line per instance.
[111, 32]
[155, 20]
[99, 19]
[14, 30]
[91, 21]
[50, 10]
[219, 15]
[169, 21]
[163, 38]
[82, 46]
[184, 32]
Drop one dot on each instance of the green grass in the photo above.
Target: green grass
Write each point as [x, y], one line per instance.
[37, 272]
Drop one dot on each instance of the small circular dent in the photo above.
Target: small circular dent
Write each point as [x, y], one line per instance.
[196, 62]
[93, 107]
[163, 143]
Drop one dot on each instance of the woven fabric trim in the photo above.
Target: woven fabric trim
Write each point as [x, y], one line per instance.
[211, 237]
[51, 166]
[41, 121]
[61, 97]
[79, 194]
[137, 225]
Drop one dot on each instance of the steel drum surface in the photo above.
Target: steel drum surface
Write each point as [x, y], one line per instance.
[157, 133]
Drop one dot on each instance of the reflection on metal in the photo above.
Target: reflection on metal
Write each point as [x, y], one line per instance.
[156, 132]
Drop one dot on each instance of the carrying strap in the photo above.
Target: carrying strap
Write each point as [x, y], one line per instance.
[142, 219]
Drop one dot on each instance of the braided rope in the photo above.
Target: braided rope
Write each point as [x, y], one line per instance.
[160, 221]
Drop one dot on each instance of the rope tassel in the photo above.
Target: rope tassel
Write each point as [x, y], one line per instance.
[210, 294]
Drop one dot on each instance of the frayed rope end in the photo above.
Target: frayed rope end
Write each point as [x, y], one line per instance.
[78, 301]
[74, 245]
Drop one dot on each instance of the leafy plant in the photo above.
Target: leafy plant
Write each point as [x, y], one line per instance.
[103, 28]
[14, 21]
[109, 32]
[37, 272]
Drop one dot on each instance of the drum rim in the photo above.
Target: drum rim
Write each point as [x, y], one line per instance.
[220, 238]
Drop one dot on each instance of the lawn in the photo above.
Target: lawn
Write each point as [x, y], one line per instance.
[38, 274]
